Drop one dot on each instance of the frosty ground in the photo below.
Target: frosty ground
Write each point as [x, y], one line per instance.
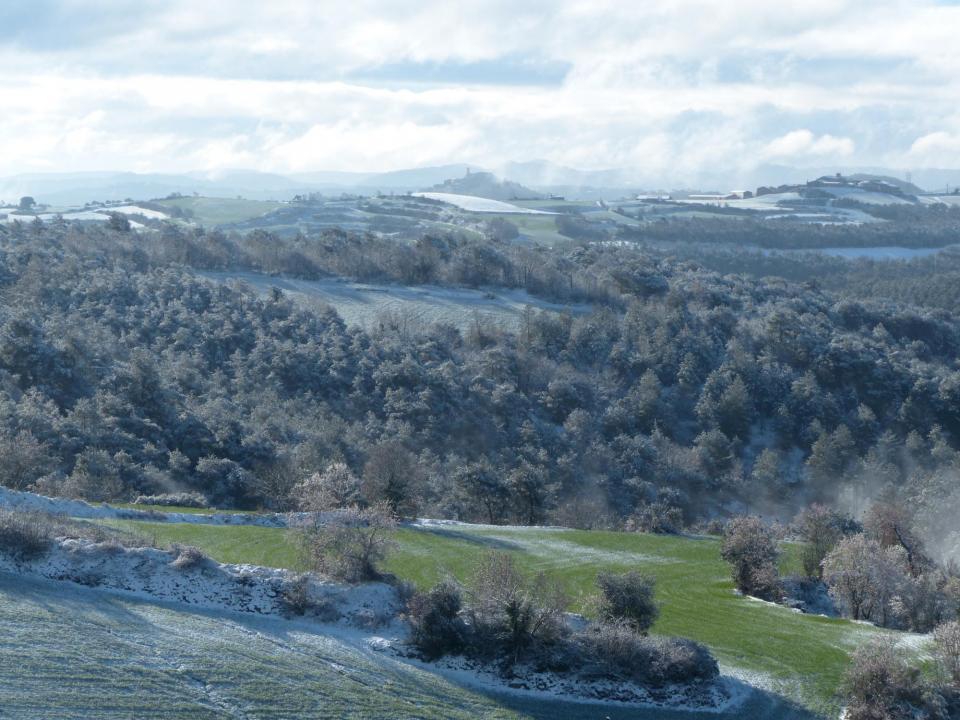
[795, 660]
[72, 652]
[365, 304]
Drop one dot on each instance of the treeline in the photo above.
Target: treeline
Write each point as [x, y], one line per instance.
[431, 259]
[684, 396]
[937, 226]
[932, 281]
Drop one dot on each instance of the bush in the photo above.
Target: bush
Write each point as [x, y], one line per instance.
[714, 526]
[679, 660]
[658, 517]
[615, 650]
[24, 536]
[182, 499]
[295, 595]
[187, 557]
[751, 549]
[628, 597]
[879, 685]
[508, 613]
[821, 529]
[350, 545]
[437, 628]
[947, 639]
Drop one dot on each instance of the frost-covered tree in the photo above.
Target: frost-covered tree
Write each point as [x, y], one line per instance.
[336, 487]
[863, 577]
[752, 551]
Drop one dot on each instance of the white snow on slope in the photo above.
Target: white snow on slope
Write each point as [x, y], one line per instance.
[136, 210]
[151, 573]
[367, 304]
[471, 203]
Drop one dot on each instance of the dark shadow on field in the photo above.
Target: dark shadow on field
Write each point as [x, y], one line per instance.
[471, 538]
[758, 705]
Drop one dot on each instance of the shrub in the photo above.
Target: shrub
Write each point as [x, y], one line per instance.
[612, 649]
[751, 549]
[714, 526]
[509, 613]
[947, 640]
[187, 557]
[437, 628]
[181, 499]
[615, 650]
[923, 602]
[628, 597]
[24, 536]
[350, 545]
[821, 529]
[879, 685]
[679, 660]
[658, 517]
[295, 595]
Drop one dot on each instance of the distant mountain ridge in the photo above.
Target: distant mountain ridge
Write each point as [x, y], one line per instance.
[520, 179]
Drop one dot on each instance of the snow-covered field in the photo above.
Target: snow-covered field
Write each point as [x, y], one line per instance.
[366, 304]
[96, 214]
[471, 203]
[155, 574]
[69, 651]
[136, 210]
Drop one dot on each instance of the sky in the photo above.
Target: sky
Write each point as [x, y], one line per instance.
[673, 89]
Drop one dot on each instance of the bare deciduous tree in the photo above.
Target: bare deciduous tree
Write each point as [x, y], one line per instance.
[947, 639]
[350, 545]
[336, 487]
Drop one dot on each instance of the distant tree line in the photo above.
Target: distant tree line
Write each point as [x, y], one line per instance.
[906, 226]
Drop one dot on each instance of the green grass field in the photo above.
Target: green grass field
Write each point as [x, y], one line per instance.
[799, 656]
[179, 509]
[219, 211]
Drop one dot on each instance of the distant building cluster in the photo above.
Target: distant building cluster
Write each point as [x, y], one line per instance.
[720, 197]
[838, 181]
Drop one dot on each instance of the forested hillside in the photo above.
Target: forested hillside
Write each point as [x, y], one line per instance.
[685, 395]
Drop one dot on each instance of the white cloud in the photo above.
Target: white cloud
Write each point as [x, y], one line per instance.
[673, 90]
[936, 149]
[798, 144]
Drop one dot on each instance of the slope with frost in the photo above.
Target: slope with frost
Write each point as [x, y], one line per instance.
[69, 652]
[367, 304]
[471, 203]
[163, 575]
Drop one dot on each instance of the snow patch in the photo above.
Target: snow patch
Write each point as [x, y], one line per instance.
[154, 574]
[472, 203]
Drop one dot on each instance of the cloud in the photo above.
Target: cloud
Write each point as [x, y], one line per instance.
[673, 92]
[936, 149]
[803, 143]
